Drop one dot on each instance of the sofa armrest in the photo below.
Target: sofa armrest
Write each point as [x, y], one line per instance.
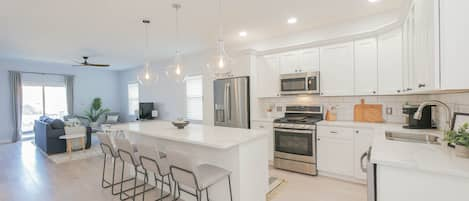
[55, 133]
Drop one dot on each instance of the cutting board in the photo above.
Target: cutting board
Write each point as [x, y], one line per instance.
[368, 112]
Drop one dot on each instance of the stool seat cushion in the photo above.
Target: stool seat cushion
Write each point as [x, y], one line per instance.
[208, 175]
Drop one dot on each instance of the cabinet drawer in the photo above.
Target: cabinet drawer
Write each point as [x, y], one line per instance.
[335, 132]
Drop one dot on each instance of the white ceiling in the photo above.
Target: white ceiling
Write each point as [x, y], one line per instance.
[111, 31]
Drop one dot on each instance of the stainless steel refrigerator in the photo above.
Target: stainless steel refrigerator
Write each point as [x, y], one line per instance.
[231, 99]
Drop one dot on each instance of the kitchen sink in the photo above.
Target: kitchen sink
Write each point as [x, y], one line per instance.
[413, 138]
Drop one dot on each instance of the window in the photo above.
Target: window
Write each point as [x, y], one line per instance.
[194, 97]
[43, 94]
[133, 98]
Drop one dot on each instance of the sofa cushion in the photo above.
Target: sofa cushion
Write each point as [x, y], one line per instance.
[56, 124]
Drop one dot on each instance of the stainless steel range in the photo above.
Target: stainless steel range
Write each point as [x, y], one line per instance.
[295, 139]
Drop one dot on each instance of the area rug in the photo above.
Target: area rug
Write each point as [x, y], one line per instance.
[274, 186]
[93, 151]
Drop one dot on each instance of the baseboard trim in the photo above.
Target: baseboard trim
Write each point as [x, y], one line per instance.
[5, 142]
[341, 177]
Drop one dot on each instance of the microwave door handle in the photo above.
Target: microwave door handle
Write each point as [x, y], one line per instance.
[362, 166]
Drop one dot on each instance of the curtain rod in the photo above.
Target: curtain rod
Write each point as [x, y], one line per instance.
[41, 73]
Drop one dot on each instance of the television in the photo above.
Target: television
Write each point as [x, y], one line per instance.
[145, 110]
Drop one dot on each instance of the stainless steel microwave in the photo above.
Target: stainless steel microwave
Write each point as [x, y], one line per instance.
[299, 83]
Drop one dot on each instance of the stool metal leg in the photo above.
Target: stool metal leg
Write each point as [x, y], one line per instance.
[229, 186]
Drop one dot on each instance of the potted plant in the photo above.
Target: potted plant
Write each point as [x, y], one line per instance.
[460, 140]
[95, 112]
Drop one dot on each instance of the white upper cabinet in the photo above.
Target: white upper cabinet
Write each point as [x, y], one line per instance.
[300, 61]
[454, 29]
[390, 63]
[309, 60]
[289, 63]
[366, 67]
[267, 76]
[336, 67]
[425, 45]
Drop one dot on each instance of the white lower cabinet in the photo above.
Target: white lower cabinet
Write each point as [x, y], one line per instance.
[268, 127]
[339, 150]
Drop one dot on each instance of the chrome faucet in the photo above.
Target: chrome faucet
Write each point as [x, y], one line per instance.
[418, 114]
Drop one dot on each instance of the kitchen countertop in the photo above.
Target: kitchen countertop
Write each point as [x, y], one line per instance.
[198, 134]
[269, 120]
[436, 159]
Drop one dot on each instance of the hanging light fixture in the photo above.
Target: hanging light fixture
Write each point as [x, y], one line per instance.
[176, 70]
[221, 61]
[146, 76]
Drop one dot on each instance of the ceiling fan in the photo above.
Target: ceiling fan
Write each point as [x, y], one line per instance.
[86, 63]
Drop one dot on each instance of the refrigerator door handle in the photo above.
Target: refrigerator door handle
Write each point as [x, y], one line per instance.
[229, 101]
[226, 102]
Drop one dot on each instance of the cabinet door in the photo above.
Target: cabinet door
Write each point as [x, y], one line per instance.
[426, 40]
[366, 67]
[335, 150]
[289, 63]
[454, 44]
[363, 139]
[309, 60]
[336, 66]
[390, 63]
[267, 77]
[267, 127]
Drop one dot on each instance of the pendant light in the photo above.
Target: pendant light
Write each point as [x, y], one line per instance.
[219, 66]
[146, 76]
[176, 70]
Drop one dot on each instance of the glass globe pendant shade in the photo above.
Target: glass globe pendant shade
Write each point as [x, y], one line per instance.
[176, 70]
[147, 76]
[220, 64]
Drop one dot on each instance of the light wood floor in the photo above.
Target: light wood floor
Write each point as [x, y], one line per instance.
[26, 174]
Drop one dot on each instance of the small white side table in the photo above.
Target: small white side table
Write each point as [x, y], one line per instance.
[71, 137]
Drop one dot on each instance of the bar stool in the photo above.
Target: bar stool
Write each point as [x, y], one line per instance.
[109, 150]
[128, 154]
[199, 177]
[153, 161]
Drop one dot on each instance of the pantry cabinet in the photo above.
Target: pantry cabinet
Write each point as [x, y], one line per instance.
[366, 67]
[390, 63]
[267, 76]
[337, 69]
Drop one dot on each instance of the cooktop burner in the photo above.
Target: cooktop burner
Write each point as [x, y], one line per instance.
[308, 115]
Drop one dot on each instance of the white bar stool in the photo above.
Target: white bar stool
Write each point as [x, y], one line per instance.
[128, 154]
[153, 161]
[109, 151]
[185, 171]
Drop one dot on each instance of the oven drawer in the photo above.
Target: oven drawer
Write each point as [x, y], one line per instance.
[295, 166]
[335, 132]
[305, 159]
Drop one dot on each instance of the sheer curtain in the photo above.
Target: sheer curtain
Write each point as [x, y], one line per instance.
[69, 86]
[16, 91]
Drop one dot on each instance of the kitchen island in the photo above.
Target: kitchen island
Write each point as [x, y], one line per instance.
[242, 151]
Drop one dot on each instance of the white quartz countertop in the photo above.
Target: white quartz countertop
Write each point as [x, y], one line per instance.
[435, 159]
[197, 134]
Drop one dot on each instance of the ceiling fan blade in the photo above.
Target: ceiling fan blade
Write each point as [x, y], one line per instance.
[78, 65]
[99, 65]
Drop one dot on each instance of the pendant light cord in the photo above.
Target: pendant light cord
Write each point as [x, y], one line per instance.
[220, 21]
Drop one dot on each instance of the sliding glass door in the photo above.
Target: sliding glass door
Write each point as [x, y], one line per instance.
[42, 95]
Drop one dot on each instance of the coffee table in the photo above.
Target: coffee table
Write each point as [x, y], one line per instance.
[69, 138]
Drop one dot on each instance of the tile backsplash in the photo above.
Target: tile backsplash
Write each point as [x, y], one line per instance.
[392, 105]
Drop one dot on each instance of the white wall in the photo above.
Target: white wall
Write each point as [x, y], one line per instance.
[89, 83]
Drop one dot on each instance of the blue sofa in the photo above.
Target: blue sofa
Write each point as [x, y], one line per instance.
[46, 135]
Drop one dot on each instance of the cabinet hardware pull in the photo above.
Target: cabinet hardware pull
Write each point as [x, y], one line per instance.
[334, 132]
[374, 92]
[422, 85]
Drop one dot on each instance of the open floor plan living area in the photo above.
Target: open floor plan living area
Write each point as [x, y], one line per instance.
[246, 100]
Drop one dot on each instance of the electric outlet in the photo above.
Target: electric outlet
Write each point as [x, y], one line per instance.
[388, 110]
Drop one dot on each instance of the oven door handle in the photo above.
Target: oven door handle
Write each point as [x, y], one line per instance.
[293, 131]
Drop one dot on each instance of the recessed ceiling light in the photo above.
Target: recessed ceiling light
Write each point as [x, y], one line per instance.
[243, 33]
[373, 1]
[292, 20]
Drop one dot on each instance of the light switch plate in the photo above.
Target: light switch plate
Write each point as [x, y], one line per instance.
[388, 110]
